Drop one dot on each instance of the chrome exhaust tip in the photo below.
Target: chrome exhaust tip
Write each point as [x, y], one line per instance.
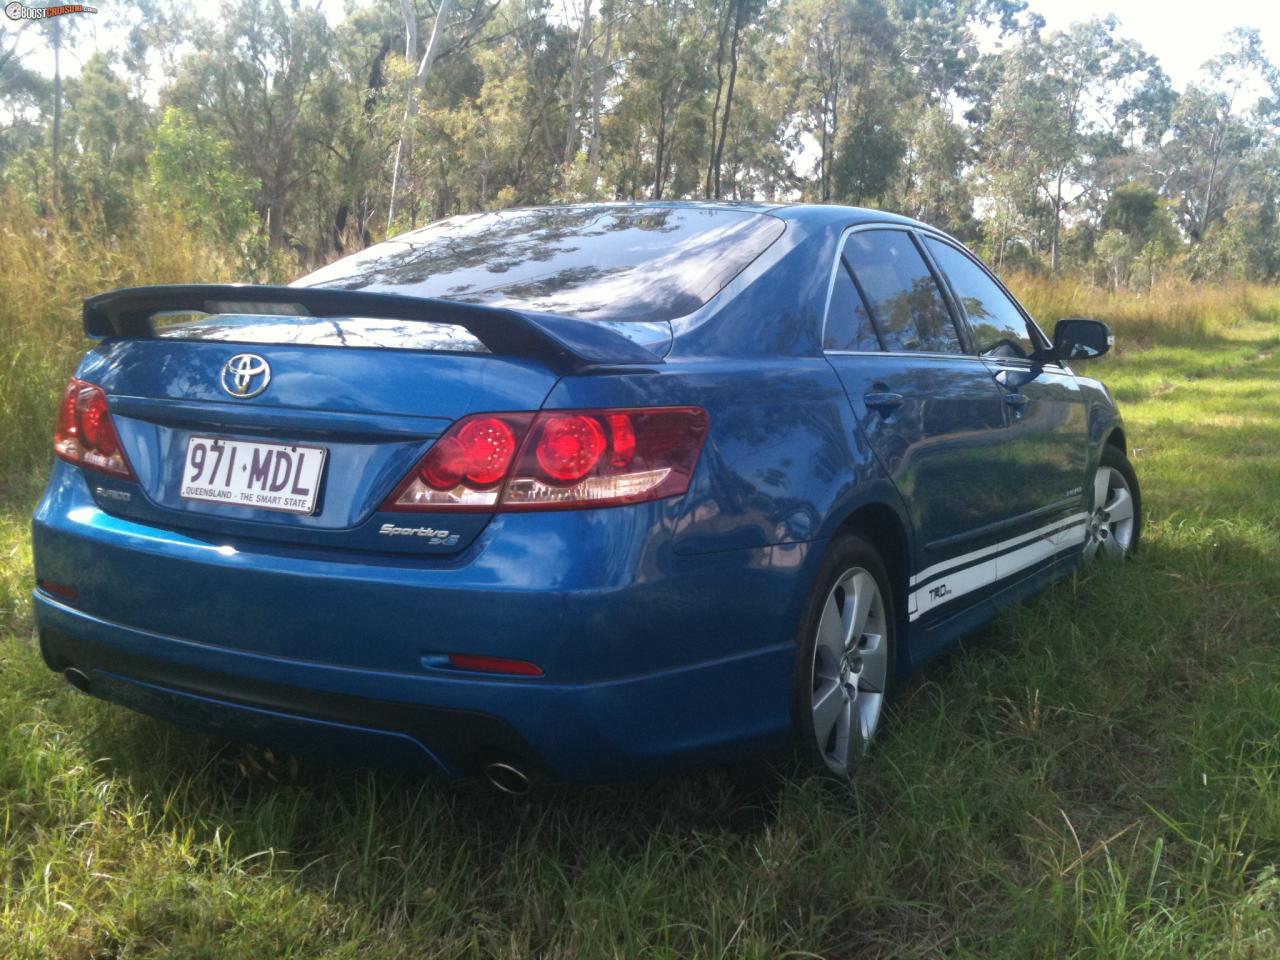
[78, 679]
[507, 779]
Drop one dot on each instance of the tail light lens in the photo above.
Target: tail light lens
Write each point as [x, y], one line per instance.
[557, 460]
[465, 468]
[85, 435]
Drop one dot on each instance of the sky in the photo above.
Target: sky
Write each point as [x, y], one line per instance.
[1181, 34]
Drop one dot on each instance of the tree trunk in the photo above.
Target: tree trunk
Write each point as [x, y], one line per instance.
[659, 153]
[404, 148]
[728, 98]
[57, 112]
[277, 200]
[575, 84]
[822, 155]
[403, 145]
[721, 30]
[597, 96]
[1208, 189]
[1057, 225]
[830, 145]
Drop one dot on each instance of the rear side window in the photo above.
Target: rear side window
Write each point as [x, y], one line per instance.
[849, 325]
[905, 301]
[608, 262]
[998, 326]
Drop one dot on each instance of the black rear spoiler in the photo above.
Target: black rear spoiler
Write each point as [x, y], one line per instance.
[564, 343]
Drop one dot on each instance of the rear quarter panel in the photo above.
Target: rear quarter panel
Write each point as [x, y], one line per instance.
[784, 461]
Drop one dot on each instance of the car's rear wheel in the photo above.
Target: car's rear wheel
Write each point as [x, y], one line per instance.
[1115, 523]
[846, 659]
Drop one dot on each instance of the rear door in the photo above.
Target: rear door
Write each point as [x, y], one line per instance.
[1048, 427]
[933, 414]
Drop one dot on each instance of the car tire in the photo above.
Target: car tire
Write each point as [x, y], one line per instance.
[1115, 521]
[844, 668]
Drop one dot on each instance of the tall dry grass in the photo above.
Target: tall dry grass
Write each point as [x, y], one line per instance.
[47, 266]
[1175, 311]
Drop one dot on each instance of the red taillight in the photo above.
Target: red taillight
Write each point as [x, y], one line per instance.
[84, 433]
[563, 459]
[569, 447]
[465, 468]
[478, 455]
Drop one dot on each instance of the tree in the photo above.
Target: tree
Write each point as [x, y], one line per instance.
[193, 174]
[1049, 115]
[105, 135]
[422, 74]
[1062, 149]
[736, 16]
[1214, 127]
[254, 80]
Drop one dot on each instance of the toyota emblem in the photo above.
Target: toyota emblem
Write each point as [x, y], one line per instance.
[245, 375]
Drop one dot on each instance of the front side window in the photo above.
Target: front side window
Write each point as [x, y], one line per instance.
[998, 325]
[905, 301]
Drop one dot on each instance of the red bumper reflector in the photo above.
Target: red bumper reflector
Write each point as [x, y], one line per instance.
[471, 661]
[59, 590]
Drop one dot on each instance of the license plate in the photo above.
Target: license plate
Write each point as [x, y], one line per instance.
[269, 476]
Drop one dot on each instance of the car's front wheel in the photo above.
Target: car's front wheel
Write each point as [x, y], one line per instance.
[846, 657]
[1115, 523]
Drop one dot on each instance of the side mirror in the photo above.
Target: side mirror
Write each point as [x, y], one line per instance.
[1076, 338]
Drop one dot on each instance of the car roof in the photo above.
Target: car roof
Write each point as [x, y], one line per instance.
[814, 215]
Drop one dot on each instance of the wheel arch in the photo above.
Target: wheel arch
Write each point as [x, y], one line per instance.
[879, 524]
[1116, 438]
[884, 527]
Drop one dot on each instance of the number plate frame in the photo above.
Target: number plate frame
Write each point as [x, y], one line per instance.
[232, 477]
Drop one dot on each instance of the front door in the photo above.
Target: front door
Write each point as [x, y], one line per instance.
[1048, 426]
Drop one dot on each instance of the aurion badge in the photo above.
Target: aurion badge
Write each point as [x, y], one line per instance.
[245, 375]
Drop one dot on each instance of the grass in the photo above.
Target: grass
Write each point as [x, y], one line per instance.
[1096, 775]
[47, 266]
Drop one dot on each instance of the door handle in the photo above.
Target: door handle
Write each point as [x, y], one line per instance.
[1015, 400]
[884, 402]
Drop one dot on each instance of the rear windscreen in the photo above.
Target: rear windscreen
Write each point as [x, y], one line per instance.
[615, 263]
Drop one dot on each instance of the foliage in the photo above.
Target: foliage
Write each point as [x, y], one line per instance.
[192, 176]
[1030, 143]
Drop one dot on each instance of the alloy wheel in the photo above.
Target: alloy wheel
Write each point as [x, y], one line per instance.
[850, 669]
[1110, 527]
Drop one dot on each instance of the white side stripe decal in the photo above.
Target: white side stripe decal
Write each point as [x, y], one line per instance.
[985, 572]
[969, 558]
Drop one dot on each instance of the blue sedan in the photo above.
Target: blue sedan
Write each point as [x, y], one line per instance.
[589, 491]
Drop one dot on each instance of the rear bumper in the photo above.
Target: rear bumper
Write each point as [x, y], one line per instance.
[671, 662]
[594, 732]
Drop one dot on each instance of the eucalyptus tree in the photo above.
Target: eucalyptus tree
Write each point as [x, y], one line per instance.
[254, 75]
[1230, 111]
[1051, 118]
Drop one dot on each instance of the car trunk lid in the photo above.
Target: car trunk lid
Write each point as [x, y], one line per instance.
[326, 414]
